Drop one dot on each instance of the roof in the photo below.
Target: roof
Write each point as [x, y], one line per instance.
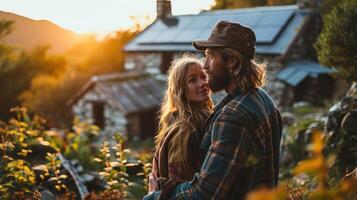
[275, 28]
[129, 92]
[296, 71]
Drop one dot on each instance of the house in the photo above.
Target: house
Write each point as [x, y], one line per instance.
[128, 102]
[120, 102]
[285, 36]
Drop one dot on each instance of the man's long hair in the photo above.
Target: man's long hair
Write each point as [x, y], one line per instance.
[247, 73]
[177, 112]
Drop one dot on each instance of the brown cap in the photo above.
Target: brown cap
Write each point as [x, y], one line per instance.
[232, 35]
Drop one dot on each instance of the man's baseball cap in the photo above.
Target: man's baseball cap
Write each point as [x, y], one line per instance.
[232, 35]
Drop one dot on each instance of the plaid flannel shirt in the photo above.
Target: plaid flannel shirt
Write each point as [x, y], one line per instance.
[242, 139]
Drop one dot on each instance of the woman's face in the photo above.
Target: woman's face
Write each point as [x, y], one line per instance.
[196, 89]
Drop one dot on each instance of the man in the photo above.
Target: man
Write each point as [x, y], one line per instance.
[242, 136]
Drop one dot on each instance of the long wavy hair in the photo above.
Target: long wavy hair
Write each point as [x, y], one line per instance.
[247, 73]
[177, 112]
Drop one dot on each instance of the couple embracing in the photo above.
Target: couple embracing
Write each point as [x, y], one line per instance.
[221, 152]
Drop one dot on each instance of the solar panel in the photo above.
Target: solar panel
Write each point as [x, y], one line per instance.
[148, 36]
[203, 35]
[202, 22]
[184, 21]
[266, 34]
[166, 36]
[248, 19]
[230, 18]
[187, 35]
[277, 18]
[271, 24]
[266, 23]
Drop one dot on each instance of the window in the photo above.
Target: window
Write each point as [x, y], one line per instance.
[98, 114]
[166, 58]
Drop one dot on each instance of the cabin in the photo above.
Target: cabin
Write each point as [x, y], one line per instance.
[120, 103]
[285, 37]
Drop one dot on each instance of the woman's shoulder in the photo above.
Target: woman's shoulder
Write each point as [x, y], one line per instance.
[178, 133]
[184, 138]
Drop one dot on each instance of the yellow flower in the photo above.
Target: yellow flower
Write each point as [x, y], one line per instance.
[310, 166]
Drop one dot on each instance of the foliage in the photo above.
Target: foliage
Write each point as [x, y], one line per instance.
[266, 194]
[295, 138]
[6, 60]
[18, 77]
[304, 110]
[77, 144]
[44, 83]
[299, 122]
[129, 178]
[229, 4]
[34, 99]
[30, 160]
[54, 164]
[5, 28]
[115, 172]
[326, 6]
[337, 45]
[109, 194]
[21, 174]
[342, 137]
[145, 160]
[317, 168]
[17, 142]
[48, 93]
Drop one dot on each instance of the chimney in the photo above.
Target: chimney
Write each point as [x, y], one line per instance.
[163, 9]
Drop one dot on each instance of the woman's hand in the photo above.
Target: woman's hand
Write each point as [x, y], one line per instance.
[152, 196]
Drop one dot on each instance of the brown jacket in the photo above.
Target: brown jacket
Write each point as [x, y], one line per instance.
[177, 159]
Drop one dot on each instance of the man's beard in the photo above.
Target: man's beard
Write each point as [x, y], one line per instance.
[219, 80]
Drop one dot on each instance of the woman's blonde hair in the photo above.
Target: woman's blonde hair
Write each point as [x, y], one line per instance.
[177, 112]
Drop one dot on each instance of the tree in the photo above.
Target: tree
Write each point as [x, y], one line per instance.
[337, 45]
[229, 4]
[49, 93]
[337, 48]
[17, 78]
[44, 83]
[5, 29]
[6, 63]
[47, 97]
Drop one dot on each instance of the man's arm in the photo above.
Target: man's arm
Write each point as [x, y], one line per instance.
[223, 161]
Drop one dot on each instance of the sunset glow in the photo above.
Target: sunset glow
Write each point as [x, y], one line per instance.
[97, 16]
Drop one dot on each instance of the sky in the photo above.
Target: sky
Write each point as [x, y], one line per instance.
[99, 17]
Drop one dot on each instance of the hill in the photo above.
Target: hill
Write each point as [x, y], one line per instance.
[28, 33]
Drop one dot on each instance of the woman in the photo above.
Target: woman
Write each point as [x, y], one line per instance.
[185, 107]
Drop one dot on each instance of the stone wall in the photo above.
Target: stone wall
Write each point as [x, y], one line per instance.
[280, 92]
[149, 62]
[143, 61]
[115, 121]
